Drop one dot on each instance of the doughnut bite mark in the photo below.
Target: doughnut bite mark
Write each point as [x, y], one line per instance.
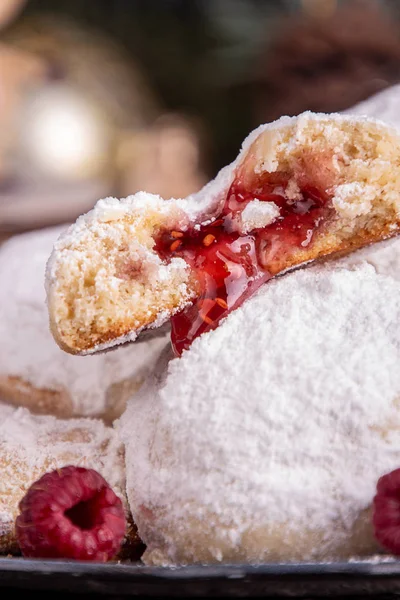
[301, 188]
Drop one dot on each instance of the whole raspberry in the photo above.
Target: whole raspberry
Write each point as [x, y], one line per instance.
[386, 511]
[71, 513]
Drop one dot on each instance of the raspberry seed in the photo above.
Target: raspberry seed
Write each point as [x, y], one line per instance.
[71, 513]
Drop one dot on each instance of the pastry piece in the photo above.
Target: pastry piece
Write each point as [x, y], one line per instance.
[282, 420]
[31, 445]
[301, 188]
[34, 372]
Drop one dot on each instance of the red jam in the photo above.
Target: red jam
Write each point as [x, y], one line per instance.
[231, 266]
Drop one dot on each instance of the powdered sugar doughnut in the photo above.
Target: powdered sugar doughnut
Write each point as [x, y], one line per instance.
[265, 440]
[34, 372]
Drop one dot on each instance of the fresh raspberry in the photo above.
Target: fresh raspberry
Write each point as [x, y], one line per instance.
[71, 513]
[386, 511]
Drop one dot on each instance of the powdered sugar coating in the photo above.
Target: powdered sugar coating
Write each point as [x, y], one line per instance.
[384, 106]
[277, 425]
[383, 257]
[258, 214]
[28, 351]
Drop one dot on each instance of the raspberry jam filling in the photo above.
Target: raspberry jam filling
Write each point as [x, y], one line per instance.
[230, 265]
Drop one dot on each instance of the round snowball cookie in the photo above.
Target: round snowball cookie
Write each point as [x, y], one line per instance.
[34, 372]
[265, 440]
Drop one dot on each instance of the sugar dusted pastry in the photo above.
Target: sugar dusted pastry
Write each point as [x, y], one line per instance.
[32, 445]
[384, 105]
[34, 372]
[265, 440]
[301, 188]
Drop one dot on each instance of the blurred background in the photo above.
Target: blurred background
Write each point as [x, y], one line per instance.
[106, 97]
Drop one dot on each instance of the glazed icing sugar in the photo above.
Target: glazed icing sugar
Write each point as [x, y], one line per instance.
[32, 445]
[277, 424]
[28, 351]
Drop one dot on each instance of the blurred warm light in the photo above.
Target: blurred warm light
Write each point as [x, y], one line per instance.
[319, 8]
[163, 159]
[63, 135]
[19, 73]
[8, 10]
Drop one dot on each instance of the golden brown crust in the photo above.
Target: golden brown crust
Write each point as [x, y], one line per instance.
[43, 401]
[40, 401]
[325, 247]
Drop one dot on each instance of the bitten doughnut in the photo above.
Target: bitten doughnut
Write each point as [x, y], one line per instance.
[265, 441]
[34, 372]
[301, 188]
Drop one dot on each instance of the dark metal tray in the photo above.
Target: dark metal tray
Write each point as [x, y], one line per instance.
[63, 579]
